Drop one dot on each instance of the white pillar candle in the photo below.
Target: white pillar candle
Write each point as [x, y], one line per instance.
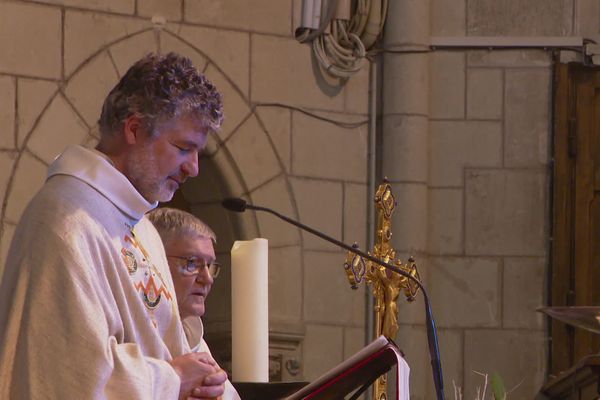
[250, 310]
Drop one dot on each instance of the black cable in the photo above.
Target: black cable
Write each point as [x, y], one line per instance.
[432, 48]
[240, 205]
[362, 390]
[343, 124]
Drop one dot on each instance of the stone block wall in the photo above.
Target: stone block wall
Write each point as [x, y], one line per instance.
[488, 209]
[481, 120]
[59, 58]
[465, 137]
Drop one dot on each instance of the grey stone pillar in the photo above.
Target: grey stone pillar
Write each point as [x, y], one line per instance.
[405, 162]
[405, 120]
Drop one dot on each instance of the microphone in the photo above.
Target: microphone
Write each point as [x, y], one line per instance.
[237, 204]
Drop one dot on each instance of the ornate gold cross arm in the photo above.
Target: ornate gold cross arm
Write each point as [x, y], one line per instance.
[386, 285]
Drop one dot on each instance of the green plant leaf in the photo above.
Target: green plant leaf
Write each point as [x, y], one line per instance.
[498, 389]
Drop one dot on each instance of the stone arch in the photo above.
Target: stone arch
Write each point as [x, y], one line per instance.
[240, 161]
[243, 153]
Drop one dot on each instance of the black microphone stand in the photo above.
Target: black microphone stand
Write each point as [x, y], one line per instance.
[434, 352]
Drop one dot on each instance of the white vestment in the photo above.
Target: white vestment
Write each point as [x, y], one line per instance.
[87, 304]
[194, 331]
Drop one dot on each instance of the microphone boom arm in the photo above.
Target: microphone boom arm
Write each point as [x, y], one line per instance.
[436, 365]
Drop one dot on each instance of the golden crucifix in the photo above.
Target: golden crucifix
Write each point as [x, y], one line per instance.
[386, 285]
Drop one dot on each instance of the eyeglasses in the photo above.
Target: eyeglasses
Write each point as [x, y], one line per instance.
[195, 266]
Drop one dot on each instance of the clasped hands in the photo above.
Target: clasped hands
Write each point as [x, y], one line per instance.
[200, 375]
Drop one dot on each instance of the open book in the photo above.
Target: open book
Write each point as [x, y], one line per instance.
[357, 373]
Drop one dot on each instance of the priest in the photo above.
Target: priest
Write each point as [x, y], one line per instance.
[87, 303]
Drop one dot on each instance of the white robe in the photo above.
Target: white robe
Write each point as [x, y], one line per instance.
[87, 308]
[194, 331]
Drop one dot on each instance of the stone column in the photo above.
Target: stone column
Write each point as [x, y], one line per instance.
[404, 143]
[405, 120]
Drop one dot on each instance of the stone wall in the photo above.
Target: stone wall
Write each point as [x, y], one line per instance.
[472, 129]
[488, 197]
[58, 60]
[465, 134]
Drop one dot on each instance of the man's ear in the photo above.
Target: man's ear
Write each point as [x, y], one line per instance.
[133, 129]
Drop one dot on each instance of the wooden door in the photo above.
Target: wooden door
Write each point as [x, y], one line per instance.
[575, 278]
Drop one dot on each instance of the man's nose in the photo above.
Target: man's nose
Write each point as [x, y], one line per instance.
[190, 166]
[205, 277]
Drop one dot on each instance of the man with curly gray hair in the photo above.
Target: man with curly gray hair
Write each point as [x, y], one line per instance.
[146, 120]
[87, 303]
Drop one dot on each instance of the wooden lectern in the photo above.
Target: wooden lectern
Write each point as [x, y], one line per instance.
[580, 382]
[348, 380]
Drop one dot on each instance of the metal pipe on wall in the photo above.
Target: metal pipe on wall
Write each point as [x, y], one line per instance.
[371, 183]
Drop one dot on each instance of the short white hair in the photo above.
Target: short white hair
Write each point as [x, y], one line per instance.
[172, 223]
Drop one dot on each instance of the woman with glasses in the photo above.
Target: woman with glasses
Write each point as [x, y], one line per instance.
[189, 246]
